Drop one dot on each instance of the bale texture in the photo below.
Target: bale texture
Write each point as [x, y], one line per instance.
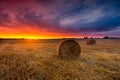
[69, 49]
[90, 41]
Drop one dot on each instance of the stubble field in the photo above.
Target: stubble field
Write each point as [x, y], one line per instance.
[31, 60]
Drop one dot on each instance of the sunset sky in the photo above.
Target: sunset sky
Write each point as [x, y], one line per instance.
[59, 18]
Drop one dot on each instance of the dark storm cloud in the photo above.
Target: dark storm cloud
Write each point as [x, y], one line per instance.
[64, 15]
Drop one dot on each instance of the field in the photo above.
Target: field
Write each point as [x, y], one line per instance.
[39, 60]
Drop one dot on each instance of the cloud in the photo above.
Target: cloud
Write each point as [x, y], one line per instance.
[113, 33]
[4, 17]
[93, 18]
[46, 2]
[62, 16]
[83, 17]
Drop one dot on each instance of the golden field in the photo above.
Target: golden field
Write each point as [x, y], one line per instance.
[29, 60]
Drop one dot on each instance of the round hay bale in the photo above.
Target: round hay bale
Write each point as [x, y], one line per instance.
[90, 42]
[69, 49]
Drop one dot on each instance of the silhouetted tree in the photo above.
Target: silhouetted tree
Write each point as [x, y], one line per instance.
[91, 37]
[85, 37]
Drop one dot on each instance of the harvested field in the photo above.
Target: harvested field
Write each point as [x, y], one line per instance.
[39, 61]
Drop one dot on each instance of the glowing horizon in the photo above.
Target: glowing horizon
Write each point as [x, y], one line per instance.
[36, 37]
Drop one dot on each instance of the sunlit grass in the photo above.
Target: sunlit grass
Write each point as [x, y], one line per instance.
[40, 61]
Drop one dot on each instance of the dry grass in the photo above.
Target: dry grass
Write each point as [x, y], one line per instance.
[40, 61]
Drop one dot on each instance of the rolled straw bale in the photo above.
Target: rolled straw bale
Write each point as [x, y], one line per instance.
[69, 49]
[90, 42]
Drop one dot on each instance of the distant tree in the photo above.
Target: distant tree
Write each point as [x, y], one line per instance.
[106, 37]
[85, 37]
[91, 37]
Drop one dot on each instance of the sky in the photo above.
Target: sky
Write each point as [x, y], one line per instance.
[59, 18]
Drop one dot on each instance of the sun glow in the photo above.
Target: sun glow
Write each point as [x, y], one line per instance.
[30, 37]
